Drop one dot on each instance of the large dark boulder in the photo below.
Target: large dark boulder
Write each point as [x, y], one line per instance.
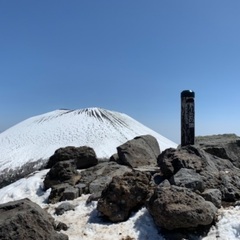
[215, 172]
[62, 192]
[223, 146]
[96, 178]
[23, 219]
[172, 160]
[140, 151]
[62, 179]
[62, 172]
[188, 178]
[123, 195]
[83, 157]
[179, 208]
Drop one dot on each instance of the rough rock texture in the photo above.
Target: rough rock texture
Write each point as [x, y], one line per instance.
[214, 196]
[64, 207]
[23, 219]
[62, 172]
[83, 157]
[97, 178]
[140, 151]
[216, 173]
[114, 158]
[176, 207]
[62, 192]
[123, 195]
[188, 178]
[67, 183]
[223, 146]
[172, 160]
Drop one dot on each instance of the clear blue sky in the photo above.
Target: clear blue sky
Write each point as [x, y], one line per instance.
[131, 56]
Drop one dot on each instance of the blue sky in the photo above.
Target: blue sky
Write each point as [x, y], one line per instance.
[130, 56]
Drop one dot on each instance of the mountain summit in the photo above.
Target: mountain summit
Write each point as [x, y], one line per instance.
[38, 137]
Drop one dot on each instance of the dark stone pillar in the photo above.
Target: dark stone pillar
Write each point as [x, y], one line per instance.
[187, 118]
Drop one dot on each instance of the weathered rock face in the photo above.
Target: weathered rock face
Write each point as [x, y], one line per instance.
[216, 173]
[114, 158]
[64, 207]
[172, 160]
[214, 196]
[98, 177]
[141, 151]
[62, 172]
[62, 192]
[123, 195]
[83, 157]
[188, 178]
[23, 219]
[223, 146]
[67, 183]
[176, 207]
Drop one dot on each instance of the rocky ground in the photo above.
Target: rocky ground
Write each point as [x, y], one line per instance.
[181, 188]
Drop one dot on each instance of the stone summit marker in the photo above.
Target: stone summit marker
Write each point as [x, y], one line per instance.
[187, 118]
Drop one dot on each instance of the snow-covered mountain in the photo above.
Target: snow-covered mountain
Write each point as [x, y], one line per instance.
[37, 138]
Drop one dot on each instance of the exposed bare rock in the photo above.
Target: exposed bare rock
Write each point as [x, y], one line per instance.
[64, 207]
[62, 172]
[180, 208]
[215, 172]
[98, 177]
[172, 160]
[67, 183]
[83, 157]
[140, 151]
[223, 146]
[23, 219]
[114, 158]
[123, 195]
[188, 178]
[214, 196]
[57, 193]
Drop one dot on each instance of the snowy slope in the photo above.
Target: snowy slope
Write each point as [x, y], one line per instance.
[38, 137]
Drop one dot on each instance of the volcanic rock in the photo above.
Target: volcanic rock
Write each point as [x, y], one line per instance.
[64, 207]
[215, 172]
[23, 219]
[188, 178]
[123, 195]
[62, 172]
[214, 196]
[140, 151]
[97, 178]
[83, 157]
[225, 146]
[172, 160]
[179, 208]
[57, 193]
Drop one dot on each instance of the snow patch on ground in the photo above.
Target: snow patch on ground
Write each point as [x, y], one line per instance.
[29, 187]
[228, 225]
[85, 223]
